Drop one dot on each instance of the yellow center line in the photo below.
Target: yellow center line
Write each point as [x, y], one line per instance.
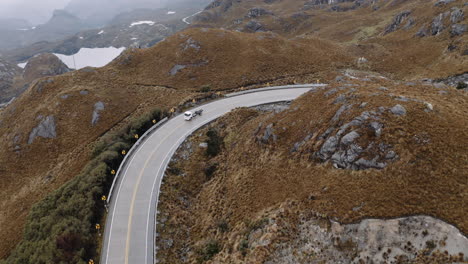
[135, 191]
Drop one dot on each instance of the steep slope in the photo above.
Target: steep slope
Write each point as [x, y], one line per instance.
[408, 39]
[249, 187]
[48, 132]
[44, 65]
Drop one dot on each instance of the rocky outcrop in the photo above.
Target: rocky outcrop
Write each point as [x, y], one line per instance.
[268, 134]
[98, 107]
[456, 15]
[45, 129]
[443, 2]
[44, 65]
[254, 26]
[458, 29]
[257, 12]
[437, 25]
[397, 21]
[343, 150]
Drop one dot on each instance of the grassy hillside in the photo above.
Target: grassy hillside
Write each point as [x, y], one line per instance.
[48, 132]
[393, 158]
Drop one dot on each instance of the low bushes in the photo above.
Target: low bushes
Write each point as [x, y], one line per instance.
[61, 227]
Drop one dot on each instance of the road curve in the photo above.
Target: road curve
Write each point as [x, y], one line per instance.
[130, 225]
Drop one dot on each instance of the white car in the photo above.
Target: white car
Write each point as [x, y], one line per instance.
[189, 115]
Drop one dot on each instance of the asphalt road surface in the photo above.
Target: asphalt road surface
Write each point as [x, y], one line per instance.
[130, 225]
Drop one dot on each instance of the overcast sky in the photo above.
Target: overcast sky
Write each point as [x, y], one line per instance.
[35, 11]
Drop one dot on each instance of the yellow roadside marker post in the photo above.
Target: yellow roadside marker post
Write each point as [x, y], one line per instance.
[124, 152]
[318, 81]
[136, 136]
[104, 199]
[98, 228]
[172, 110]
[154, 121]
[91, 261]
[113, 172]
[194, 101]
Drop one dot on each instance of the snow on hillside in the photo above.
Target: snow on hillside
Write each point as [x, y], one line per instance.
[151, 23]
[22, 65]
[97, 57]
[171, 12]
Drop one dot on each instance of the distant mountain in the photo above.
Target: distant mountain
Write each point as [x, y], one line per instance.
[61, 25]
[124, 30]
[99, 13]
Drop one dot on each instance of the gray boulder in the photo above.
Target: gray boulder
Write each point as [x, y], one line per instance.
[397, 21]
[363, 164]
[456, 15]
[458, 29]
[443, 2]
[437, 25]
[98, 107]
[398, 110]
[45, 129]
[254, 26]
[328, 148]
[257, 12]
[422, 32]
[349, 138]
[268, 134]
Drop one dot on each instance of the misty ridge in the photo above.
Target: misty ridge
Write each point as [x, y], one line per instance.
[24, 23]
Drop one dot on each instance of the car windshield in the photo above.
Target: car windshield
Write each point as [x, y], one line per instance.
[187, 114]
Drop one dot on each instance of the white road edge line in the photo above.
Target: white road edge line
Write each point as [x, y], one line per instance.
[172, 150]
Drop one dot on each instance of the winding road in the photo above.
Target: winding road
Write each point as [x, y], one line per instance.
[129, 236]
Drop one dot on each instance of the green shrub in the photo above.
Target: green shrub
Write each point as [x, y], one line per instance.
[243, 246]
[462, 85]
[214, 143]
[210, 170]
[223, 226]
[61, 227]
[205, 88]
[209, 250]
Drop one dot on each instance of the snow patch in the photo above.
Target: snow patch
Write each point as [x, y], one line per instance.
[171, 12]
[81, 38]
[86, 57]
[151, 23]
[22, 65]
[101, 32]
[134, 38]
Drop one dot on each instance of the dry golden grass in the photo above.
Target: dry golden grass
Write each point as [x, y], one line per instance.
[430, 176]
[135, 83]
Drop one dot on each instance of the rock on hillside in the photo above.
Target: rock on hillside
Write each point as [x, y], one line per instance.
[44, 65]
[292, 186]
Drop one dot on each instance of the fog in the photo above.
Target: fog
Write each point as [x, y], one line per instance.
[34, 11]
[38, 12]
